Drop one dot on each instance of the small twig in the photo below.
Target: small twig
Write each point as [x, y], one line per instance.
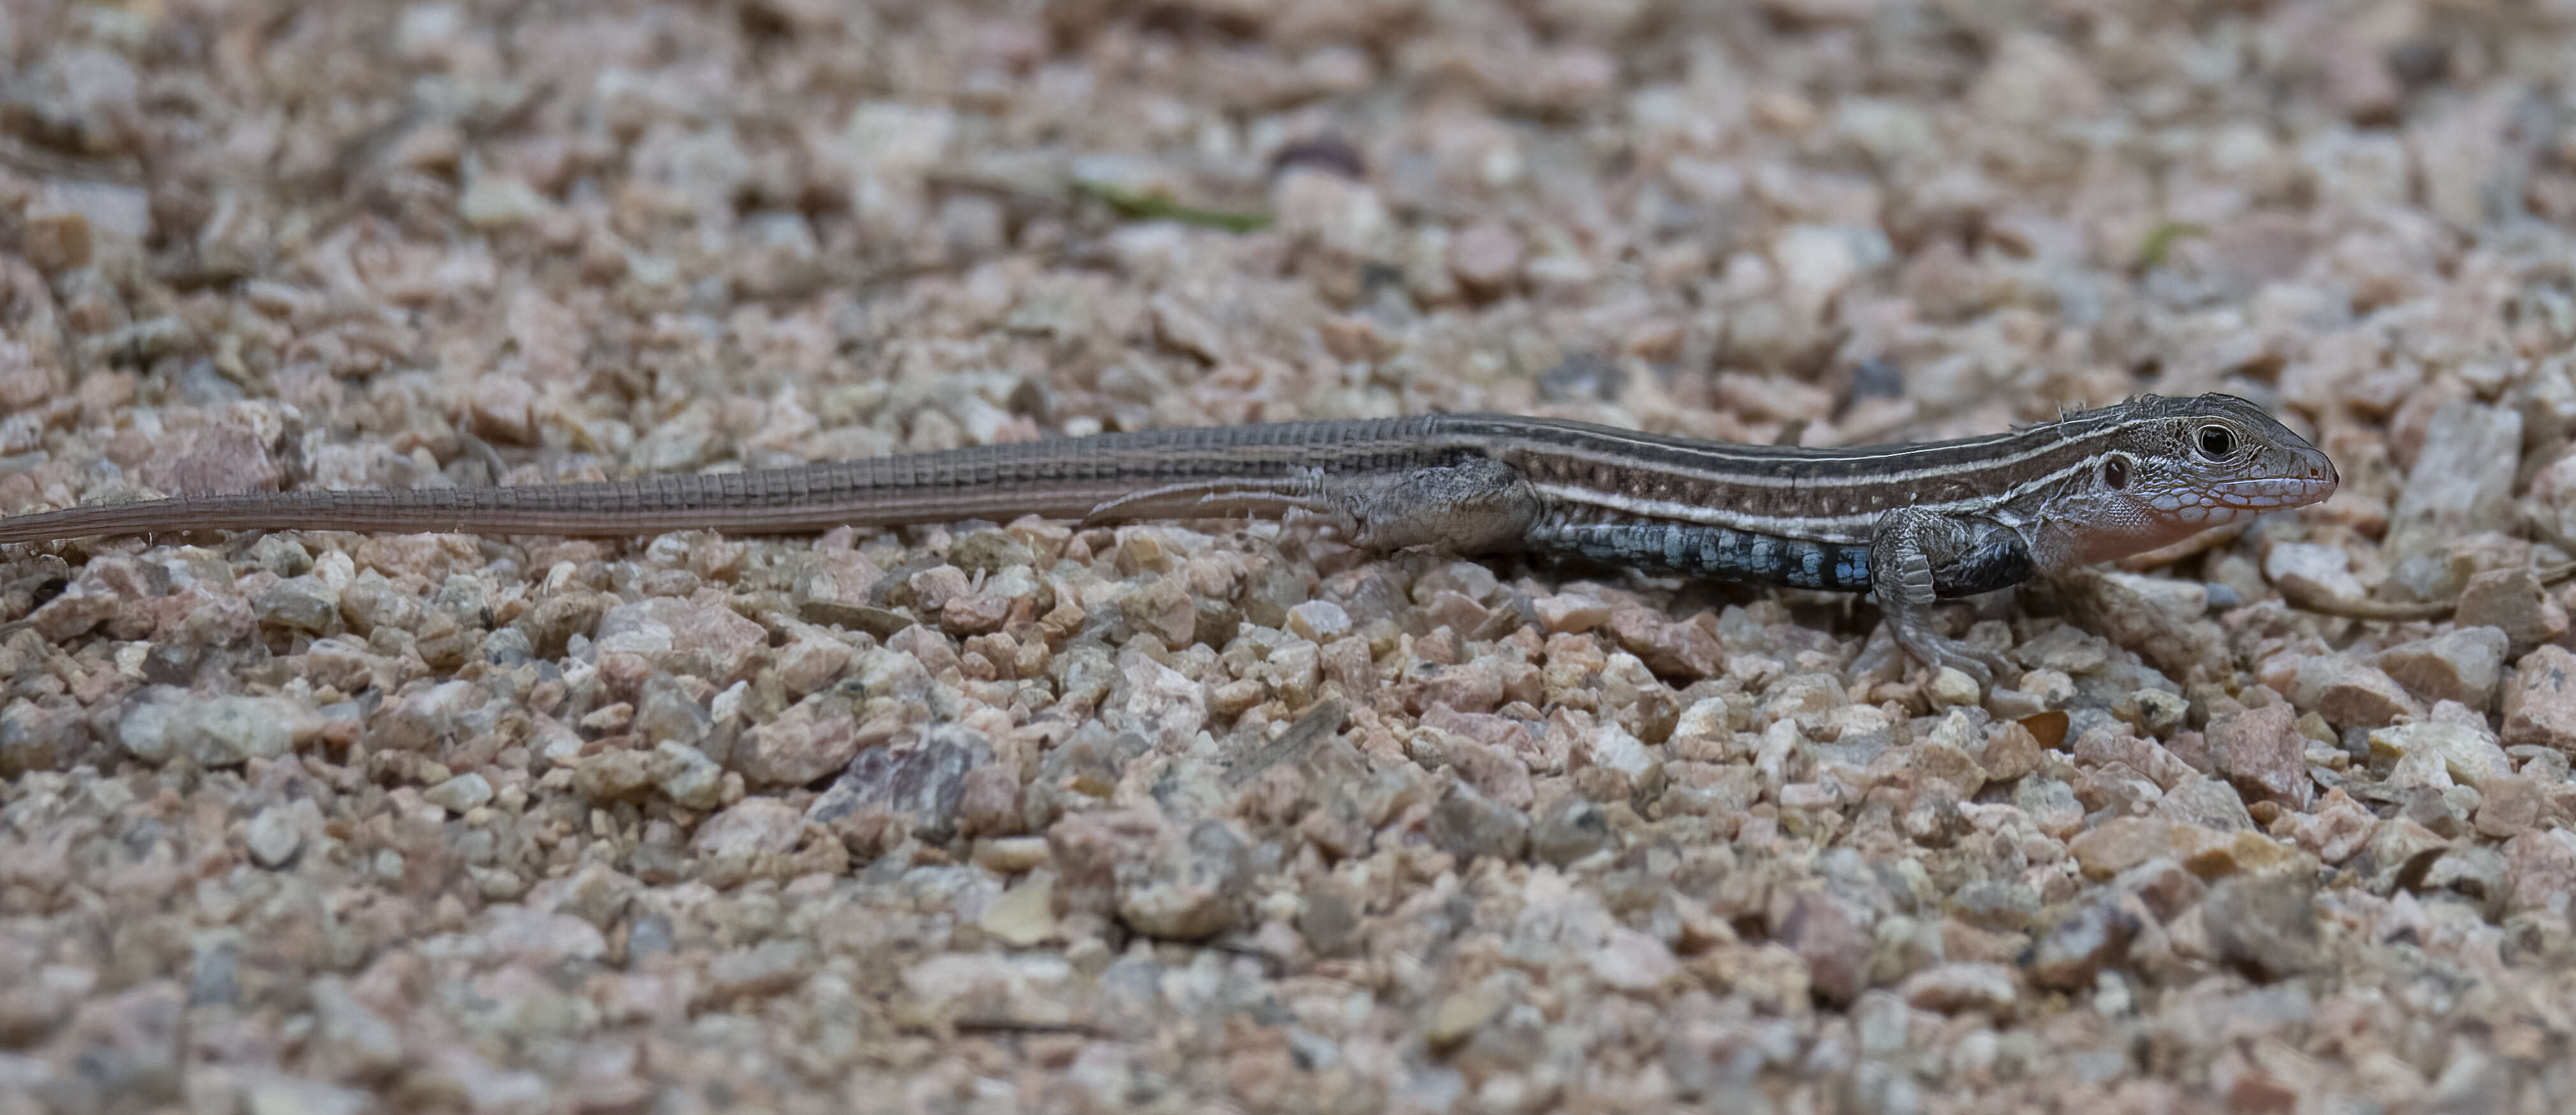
[2159, 241]
[1016, 1027]
[52, 164]
[1140, 207]
[2167, 555]
[1322, 721]
[2307, 596]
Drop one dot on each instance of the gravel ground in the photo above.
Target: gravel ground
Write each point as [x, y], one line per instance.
[1002, 817]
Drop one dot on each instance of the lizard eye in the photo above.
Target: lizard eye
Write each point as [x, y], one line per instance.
[2115, 473]
[2217, 441]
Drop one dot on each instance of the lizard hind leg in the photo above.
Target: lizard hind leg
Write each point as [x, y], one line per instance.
[1471, 506]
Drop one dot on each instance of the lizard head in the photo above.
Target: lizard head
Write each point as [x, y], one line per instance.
[2171, 468]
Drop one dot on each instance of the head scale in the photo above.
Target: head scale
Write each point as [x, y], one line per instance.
[2173, 467]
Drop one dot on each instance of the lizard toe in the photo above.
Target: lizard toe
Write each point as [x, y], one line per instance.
[1954, 657]
[1938, 652]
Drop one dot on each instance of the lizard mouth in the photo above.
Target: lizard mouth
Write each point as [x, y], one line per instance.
[2271, 494]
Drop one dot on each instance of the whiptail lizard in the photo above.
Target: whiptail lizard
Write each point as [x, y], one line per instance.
[1914, 524]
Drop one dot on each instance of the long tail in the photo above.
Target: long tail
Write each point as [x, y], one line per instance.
[1063, 477]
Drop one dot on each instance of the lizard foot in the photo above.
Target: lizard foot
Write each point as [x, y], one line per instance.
[1939, 651]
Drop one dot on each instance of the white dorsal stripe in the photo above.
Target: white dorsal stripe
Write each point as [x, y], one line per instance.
[1847, 529]
[1756, 471]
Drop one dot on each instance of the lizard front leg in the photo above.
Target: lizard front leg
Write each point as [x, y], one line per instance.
[1918, 558]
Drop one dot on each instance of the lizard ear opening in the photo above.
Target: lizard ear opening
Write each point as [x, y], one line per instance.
[2115, 473]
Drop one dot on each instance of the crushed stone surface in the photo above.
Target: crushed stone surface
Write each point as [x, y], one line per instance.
[998, 817]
